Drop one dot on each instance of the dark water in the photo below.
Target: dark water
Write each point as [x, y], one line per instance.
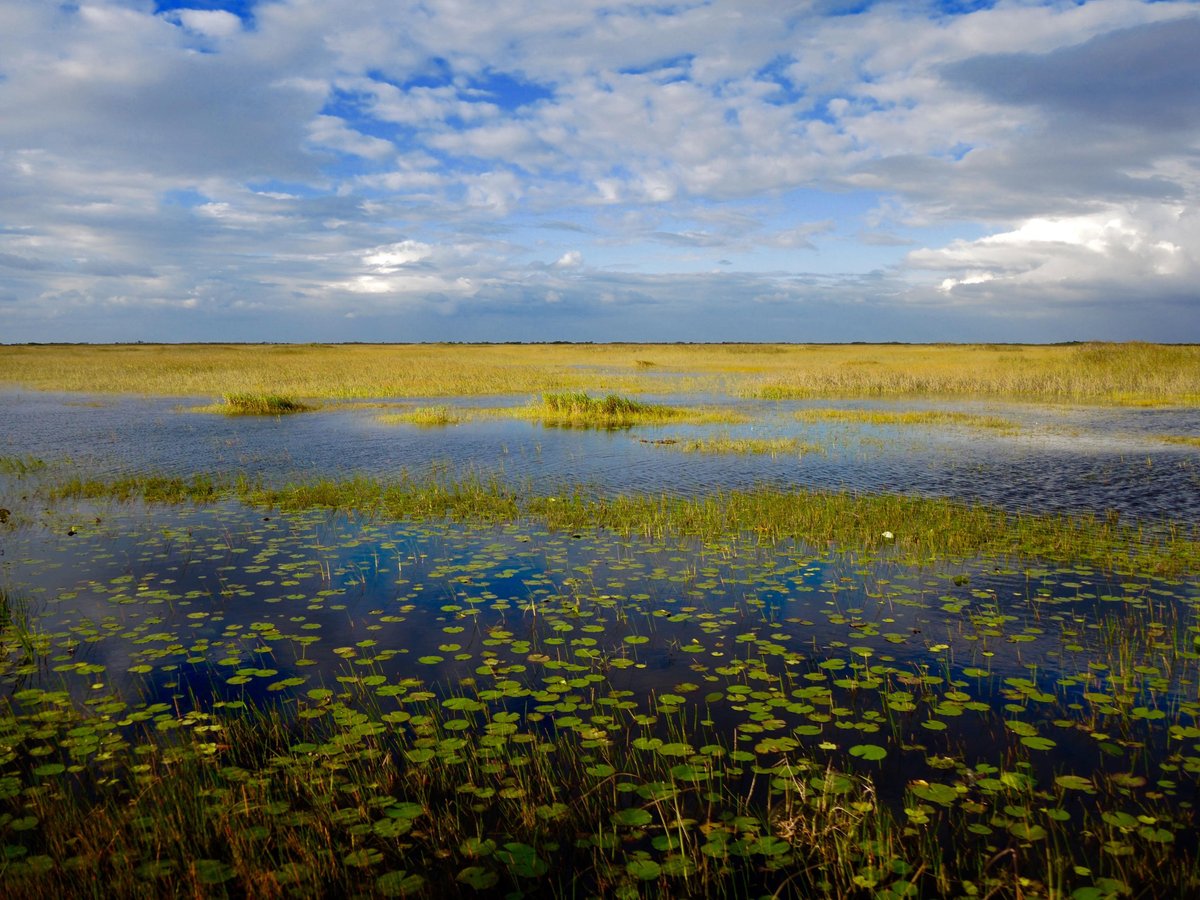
[1061, 459]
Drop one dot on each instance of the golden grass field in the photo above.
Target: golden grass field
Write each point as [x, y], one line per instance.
[1101, 373]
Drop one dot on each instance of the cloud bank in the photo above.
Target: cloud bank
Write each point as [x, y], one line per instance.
[730, 169]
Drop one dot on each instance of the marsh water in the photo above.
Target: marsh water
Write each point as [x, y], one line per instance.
[1057, 459]
[1044, 669]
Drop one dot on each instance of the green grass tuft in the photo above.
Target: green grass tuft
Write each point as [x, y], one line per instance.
[238, 404]
[428, 416]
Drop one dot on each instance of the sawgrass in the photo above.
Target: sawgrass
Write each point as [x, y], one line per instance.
[725, 444]
[1101, 373]
[425, 416]
[906, 417]
[578, 409]
[248, 404]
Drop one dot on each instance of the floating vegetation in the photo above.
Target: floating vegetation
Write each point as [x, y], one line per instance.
[256, 405]
[778, 446]
[210, 699]
[429, 416]
[905, 417]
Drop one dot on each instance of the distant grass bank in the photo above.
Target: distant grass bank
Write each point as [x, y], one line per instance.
[906, 417]
[917, 529]
[1097, 373]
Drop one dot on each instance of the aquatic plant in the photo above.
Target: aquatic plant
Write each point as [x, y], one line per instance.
[246, 700]
[21, 465]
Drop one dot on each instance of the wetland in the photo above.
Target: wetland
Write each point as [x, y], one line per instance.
[780, 622]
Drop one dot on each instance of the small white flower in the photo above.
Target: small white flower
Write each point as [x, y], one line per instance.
[887, 536]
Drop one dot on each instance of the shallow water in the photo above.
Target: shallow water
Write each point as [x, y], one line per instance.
[1024, 692]
[1061, 459]
[184, 606]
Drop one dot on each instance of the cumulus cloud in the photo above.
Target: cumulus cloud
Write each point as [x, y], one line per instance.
[213, 23]
[1117, 247]
[842, 165]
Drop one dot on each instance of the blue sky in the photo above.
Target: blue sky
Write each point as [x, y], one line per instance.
[599, 170]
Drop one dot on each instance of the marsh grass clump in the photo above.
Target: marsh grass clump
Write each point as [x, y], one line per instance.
[150, 488]
[753, 446]
[578, 408]
[426, 416]
[245, 404]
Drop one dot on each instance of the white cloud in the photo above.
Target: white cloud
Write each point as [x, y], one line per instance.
[1117, 247]
[213, 23]
[333, 133]
[389, 258]
[391, 148]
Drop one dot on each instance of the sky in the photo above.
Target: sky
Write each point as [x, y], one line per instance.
[597, 170]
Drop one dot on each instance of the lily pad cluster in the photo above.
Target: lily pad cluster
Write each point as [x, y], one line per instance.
[245, 701]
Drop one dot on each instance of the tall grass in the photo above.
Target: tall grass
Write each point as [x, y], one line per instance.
[426, 416]
[1120, 374]
[578, 408]
[243, 404]
[924, 528]
[1133, 373]
[906, 417]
